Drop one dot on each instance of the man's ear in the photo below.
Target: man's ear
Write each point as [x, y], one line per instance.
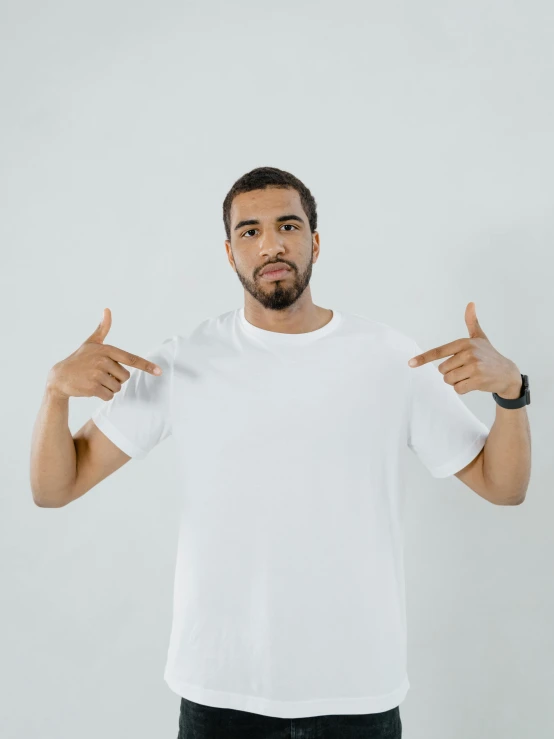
[315, 243]
[230, 254]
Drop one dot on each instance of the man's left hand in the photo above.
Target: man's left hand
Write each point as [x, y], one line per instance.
[474, 363]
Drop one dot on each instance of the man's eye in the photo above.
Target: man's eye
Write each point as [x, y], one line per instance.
[254, 229]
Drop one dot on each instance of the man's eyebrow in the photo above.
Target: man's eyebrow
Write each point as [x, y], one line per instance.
[254, 222]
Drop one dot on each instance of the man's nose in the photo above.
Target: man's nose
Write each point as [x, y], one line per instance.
[271, 244]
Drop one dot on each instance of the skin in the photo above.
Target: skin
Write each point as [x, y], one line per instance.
[283, 305]
[502, 469]
[474, 363]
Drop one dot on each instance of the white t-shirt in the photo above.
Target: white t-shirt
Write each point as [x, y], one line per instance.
[289, 582]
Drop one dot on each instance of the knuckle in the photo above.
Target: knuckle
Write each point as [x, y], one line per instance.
[133, 359]
[123, 371]
[114, 380]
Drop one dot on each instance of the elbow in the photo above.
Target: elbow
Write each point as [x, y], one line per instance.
[511, 499]
[519, 500]
[505, 495]
[508, 502]
[44, 502]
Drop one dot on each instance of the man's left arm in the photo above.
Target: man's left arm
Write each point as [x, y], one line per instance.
[506, 463]
[502, 470]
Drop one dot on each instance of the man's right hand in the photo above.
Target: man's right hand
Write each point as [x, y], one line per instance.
[95, 370]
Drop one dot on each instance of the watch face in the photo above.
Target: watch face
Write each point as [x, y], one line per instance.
[526, 390]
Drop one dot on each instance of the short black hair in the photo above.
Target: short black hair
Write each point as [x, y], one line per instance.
[263, 177]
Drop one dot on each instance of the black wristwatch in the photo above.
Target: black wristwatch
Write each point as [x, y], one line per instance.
[523, 399]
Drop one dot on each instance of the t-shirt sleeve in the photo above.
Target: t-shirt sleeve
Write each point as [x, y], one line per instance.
[442, 431]
[138, 417]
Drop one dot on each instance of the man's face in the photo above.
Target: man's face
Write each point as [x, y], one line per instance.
[281, 233]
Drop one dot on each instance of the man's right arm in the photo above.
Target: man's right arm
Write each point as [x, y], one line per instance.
[64, 467]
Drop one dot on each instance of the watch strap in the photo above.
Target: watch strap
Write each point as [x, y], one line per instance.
[523, 399]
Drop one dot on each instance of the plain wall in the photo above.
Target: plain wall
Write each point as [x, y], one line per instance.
[426, 134]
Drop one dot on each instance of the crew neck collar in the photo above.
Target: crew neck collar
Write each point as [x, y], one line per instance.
[278, 337]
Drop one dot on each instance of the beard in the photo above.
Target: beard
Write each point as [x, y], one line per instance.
[278, 294]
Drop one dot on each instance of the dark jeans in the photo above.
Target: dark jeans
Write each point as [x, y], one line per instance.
[197, 721]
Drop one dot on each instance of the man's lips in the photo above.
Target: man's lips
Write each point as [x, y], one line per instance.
[274, 270]
[275, 274]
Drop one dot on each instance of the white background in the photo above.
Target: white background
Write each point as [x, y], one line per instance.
[426, 134]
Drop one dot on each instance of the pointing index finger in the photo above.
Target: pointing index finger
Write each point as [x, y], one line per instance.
[133, 360]
[438, 352]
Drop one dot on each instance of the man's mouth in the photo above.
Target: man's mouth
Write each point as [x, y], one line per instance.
[275, 274]
[274, 271]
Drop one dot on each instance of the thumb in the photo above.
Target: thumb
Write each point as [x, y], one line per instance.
[101, 331]
[473, 325]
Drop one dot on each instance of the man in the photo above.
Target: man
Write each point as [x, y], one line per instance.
[289, 420]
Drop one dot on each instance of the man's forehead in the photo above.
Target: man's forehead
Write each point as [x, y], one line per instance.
[264, 203]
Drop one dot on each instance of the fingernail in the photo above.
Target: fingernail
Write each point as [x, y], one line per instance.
[157, 371]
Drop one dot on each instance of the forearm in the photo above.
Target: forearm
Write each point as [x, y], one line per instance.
[53, 454]
[507, 455]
